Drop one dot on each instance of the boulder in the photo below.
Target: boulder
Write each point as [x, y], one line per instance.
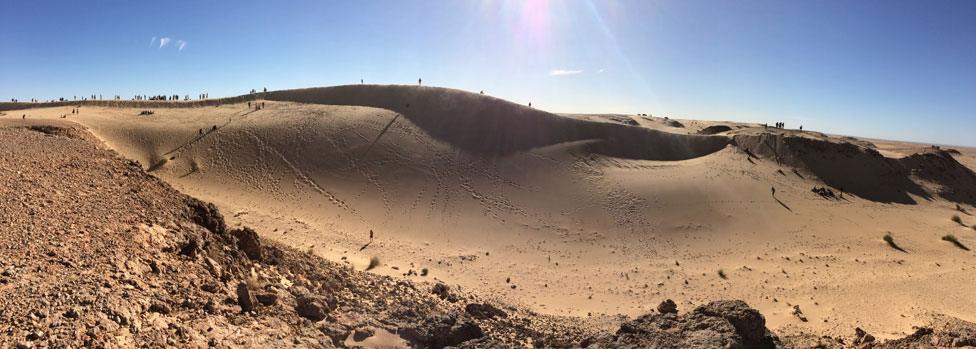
[667, 306]
[245, 298]
[483, 311]
[314, 308]
[206, 215]
[248, 242]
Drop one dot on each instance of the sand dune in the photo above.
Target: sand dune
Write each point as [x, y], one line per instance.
[865, 172]
[572, 214]
[487, 126]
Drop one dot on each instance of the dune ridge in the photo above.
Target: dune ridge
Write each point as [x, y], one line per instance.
[490, 126]
[475, 123]
[865, 172]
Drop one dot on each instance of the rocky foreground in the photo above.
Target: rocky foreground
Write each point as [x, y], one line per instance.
[95, 252]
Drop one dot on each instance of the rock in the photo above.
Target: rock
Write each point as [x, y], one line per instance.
[748, 322]
[360, 334]
[206, 215]
[722, 324]
[667, 307]
[210, 307]
[862, 337]
[710, 332]
[211, 287]
[214, 267]
[247, 241]
[154, 266]
[71, 313]
[442, 331]
[267, 298]
[443, 292]
[34, 335]
[244, 298]
[336, 331]
[159, 307]
[190, 248]
[483, 311]
[312, 307]
[799, 313]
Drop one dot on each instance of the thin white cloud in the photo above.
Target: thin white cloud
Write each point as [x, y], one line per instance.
[600, 71]
[163, 42]
[560, 72]
[180, 44]
[152, 42]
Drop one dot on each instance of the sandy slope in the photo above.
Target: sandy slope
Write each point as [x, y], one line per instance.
[580, 213]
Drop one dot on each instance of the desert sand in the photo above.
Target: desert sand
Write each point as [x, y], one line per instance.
[581, 215]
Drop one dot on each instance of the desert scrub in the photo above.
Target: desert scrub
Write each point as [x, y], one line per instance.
[373, 263]
[952, 238]
[891, 242]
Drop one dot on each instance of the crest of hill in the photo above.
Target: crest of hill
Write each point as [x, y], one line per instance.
[475, 123]
[861, 170]
[489, 126]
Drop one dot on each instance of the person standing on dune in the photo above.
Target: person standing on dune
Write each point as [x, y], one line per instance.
[420, 82]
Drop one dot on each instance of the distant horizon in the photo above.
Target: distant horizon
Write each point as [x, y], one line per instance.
[898, 70]
[680, 117]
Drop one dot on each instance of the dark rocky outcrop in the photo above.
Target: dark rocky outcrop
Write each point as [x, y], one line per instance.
[483, 311]
[314, 308]
[851, 167]
[442, 331]
[248, 242]
[719, 324]
[206, 215]
[667, 306]
[245, 298]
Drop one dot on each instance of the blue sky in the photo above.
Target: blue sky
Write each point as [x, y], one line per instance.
[888, 69]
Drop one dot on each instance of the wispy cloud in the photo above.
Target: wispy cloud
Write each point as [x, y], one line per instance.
[160, 42]
[600, 71]
[560, 72]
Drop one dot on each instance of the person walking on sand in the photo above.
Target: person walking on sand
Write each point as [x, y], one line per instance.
[371, 235]
[420, 82]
